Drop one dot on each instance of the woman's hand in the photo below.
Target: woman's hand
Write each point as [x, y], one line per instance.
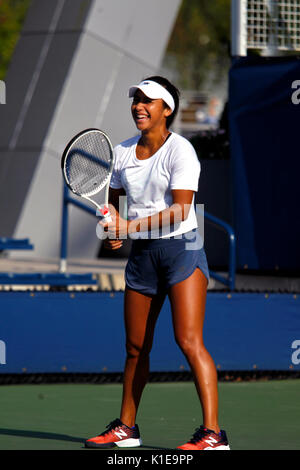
[112, 244]
[117, 228]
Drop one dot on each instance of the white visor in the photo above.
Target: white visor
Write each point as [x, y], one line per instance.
[154, 91]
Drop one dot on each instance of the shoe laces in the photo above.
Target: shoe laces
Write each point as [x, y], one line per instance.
[199, 434]
[113, 425]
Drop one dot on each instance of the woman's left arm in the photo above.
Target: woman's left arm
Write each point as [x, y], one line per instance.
[176, 213]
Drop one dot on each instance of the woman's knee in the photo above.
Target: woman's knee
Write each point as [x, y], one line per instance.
[190, 346]
[135, 350]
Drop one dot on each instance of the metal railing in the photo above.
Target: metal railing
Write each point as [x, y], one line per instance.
[228, 281]
[67, 199]
[15, 244]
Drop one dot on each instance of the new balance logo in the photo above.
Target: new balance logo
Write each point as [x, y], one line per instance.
[121, 434]
[211, 441]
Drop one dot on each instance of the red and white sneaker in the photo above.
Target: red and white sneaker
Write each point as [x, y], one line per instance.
[117, 434]
[206, 439]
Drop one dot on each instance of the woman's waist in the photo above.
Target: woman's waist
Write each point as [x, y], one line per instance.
[190, 239]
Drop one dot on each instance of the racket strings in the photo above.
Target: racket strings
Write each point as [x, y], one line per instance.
[88, 163]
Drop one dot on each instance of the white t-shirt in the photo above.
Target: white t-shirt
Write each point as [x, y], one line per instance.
[149, 183]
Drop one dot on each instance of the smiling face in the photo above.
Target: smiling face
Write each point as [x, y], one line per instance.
[149, 114]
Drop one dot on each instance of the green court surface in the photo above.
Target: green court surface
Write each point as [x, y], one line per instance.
[262, 415]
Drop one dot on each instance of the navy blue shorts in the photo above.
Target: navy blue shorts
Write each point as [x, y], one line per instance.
[155, 265]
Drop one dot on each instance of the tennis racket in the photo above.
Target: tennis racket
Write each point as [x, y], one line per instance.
[87, 165]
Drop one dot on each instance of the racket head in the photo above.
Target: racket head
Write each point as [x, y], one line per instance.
[87, 162]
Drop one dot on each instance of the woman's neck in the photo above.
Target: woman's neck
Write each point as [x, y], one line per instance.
[153, 140]
[148, 145]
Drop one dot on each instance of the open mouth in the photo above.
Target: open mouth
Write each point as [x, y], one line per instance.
[139, 117]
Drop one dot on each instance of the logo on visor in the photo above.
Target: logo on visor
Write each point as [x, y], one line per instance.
[146, 83]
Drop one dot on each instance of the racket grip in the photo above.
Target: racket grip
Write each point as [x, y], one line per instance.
[106, 214]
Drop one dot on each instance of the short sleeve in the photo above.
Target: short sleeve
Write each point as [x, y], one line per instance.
[115, 181]
[185, 169]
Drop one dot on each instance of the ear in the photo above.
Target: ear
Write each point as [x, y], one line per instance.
[168, 112]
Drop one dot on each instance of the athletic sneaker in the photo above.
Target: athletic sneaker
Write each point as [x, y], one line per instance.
[117, 434]
[206, 439]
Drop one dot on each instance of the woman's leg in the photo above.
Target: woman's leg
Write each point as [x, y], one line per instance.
[188, 299]
[141, 312]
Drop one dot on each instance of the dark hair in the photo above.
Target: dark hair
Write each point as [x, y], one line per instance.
[172, 90]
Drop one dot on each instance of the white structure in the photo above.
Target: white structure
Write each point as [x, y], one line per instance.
[271, 26]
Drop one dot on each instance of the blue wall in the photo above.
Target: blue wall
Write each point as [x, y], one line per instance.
[83, 332]
[264, 130]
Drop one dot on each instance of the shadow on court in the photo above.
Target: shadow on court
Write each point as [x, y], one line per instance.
[62, 437]
[40, 435]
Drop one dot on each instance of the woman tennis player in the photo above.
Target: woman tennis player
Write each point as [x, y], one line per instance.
[158, 171]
